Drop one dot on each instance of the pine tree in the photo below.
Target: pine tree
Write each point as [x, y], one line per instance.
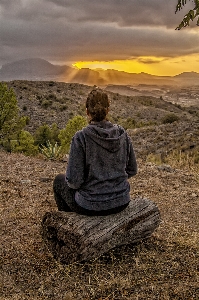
[10, 121]
[24, 144]
[45, 134]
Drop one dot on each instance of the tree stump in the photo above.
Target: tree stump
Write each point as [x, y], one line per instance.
[72, 237]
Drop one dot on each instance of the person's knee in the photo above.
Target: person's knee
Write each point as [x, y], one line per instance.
[59, 179]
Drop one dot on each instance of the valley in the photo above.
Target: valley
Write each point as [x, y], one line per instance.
[185, 96]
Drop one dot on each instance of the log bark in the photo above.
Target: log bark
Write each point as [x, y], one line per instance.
[72, 237]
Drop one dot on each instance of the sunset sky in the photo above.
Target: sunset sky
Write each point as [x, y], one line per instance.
[127, 35]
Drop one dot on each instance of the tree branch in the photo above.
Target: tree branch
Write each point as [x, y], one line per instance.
[190, 16]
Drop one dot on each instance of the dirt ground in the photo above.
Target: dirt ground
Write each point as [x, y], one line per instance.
[163, 267]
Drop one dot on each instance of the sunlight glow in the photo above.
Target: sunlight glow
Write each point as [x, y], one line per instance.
[161, 66]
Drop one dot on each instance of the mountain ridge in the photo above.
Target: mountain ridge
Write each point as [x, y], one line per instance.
[40, 69]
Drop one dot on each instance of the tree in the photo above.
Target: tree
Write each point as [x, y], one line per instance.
[10, 121]
[55, 134]
[24, 144]
[42, 135]
[45, 134]
[66, 134]
[190, 16]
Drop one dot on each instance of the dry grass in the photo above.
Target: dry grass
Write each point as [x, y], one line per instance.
[162, 267]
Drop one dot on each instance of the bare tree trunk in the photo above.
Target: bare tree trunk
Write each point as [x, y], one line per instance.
[72, 237]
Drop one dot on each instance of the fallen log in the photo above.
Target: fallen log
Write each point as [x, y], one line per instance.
[72, 237]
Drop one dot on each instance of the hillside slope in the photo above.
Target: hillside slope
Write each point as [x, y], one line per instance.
[49, 102]
[164, 266]
[52, 102]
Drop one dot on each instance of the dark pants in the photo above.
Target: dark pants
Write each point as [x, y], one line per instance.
[65, 199]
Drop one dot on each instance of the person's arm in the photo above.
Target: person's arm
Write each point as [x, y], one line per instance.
[131, 167]
[76, 163]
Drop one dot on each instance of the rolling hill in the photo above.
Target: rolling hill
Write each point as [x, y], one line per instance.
[41, 70]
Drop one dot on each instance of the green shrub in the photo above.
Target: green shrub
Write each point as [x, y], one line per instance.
[46, 103]
[42, 135]
[45, 133]
[130, 123]
[51, 151]
[24, 144]
[170, 118]
[66, 134]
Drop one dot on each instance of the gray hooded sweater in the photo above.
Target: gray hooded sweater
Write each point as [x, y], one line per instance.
[101, 160]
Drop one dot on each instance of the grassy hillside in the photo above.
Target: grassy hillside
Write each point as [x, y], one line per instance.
[156, 126]
[48, 102]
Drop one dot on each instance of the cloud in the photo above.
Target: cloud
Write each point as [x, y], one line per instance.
[123, 13]
[68, 30]
[149, 61]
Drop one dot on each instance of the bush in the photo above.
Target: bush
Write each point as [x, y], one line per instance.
[42, 135]
[46, 103]
[45, 133]
[24, 144]
[66, 134]
[51, 151]
[170, 118]
[129, 123]
[63, 107]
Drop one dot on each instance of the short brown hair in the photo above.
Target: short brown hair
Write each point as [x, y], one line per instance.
[97, 104]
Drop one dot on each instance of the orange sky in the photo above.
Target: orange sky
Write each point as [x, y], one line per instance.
[162, 66]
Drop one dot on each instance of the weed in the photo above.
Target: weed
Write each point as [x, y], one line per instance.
[51, 151]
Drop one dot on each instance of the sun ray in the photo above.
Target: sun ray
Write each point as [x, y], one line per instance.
[161, 66]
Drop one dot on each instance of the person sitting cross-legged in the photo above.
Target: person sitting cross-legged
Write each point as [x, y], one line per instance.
[101, 160]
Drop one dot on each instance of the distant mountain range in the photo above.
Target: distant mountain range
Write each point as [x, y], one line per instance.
[41, 70]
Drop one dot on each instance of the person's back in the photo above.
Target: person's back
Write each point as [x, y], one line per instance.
[101, 160]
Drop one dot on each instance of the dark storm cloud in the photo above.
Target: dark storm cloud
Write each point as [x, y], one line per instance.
[123, 12]
[68, 30]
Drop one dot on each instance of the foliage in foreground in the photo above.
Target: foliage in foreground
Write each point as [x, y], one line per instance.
[54, 143]
[66, 134]
[190, 16]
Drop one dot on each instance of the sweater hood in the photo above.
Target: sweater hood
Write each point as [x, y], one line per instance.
[107, 135]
